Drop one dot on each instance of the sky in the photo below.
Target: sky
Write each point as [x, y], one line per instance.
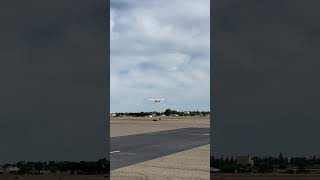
[266, 73]
[159, 49]
[53, 78]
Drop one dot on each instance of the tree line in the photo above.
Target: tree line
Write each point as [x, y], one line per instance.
[101, 166]
[269, 164]
[167, 112]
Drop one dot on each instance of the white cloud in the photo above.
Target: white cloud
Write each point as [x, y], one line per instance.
[160, 48]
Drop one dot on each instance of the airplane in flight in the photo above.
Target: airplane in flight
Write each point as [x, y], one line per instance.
[156, 100]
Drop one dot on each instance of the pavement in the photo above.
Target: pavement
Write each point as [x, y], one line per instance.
[191, 164]
[133, 149]
[173, 148]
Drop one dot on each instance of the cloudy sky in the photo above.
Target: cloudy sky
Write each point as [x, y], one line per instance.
[160, 48]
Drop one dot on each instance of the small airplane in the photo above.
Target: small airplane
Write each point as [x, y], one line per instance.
[156, 100]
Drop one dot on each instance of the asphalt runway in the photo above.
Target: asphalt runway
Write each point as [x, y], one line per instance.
[133, 149]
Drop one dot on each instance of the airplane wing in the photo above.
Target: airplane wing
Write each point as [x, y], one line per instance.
[156, 99]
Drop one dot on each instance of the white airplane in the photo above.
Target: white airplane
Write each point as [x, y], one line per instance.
[156, 100]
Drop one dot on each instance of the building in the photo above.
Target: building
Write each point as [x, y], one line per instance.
[245, 160]
[186, 113]
[11, 169]
[2, 171]
[214, 170]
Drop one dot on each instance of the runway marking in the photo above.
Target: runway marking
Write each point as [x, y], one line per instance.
[114, 152]
[142, 147]
[199, 134]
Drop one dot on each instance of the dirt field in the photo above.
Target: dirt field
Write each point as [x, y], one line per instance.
[123, 126]
[265, 177]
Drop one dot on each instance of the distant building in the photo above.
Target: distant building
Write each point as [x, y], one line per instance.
[11, 169]
[68, 172]
[2, 171]
[245, 160]
[313, 170]
[214, 170]
[45, 172]
[113, 115]
[186, 112]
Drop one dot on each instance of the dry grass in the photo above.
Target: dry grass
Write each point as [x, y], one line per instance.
[123, 126]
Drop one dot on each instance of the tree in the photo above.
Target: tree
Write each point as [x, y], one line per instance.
[167, 112]
[53, 167]
[281, 159]
[38, 166]
[103, 166]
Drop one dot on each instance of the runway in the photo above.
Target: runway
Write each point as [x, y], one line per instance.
[133, 149]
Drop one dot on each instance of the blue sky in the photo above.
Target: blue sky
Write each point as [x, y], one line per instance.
[160, 48]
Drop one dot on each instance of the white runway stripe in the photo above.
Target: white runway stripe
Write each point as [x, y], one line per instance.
[199, 134]
[114, 152]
